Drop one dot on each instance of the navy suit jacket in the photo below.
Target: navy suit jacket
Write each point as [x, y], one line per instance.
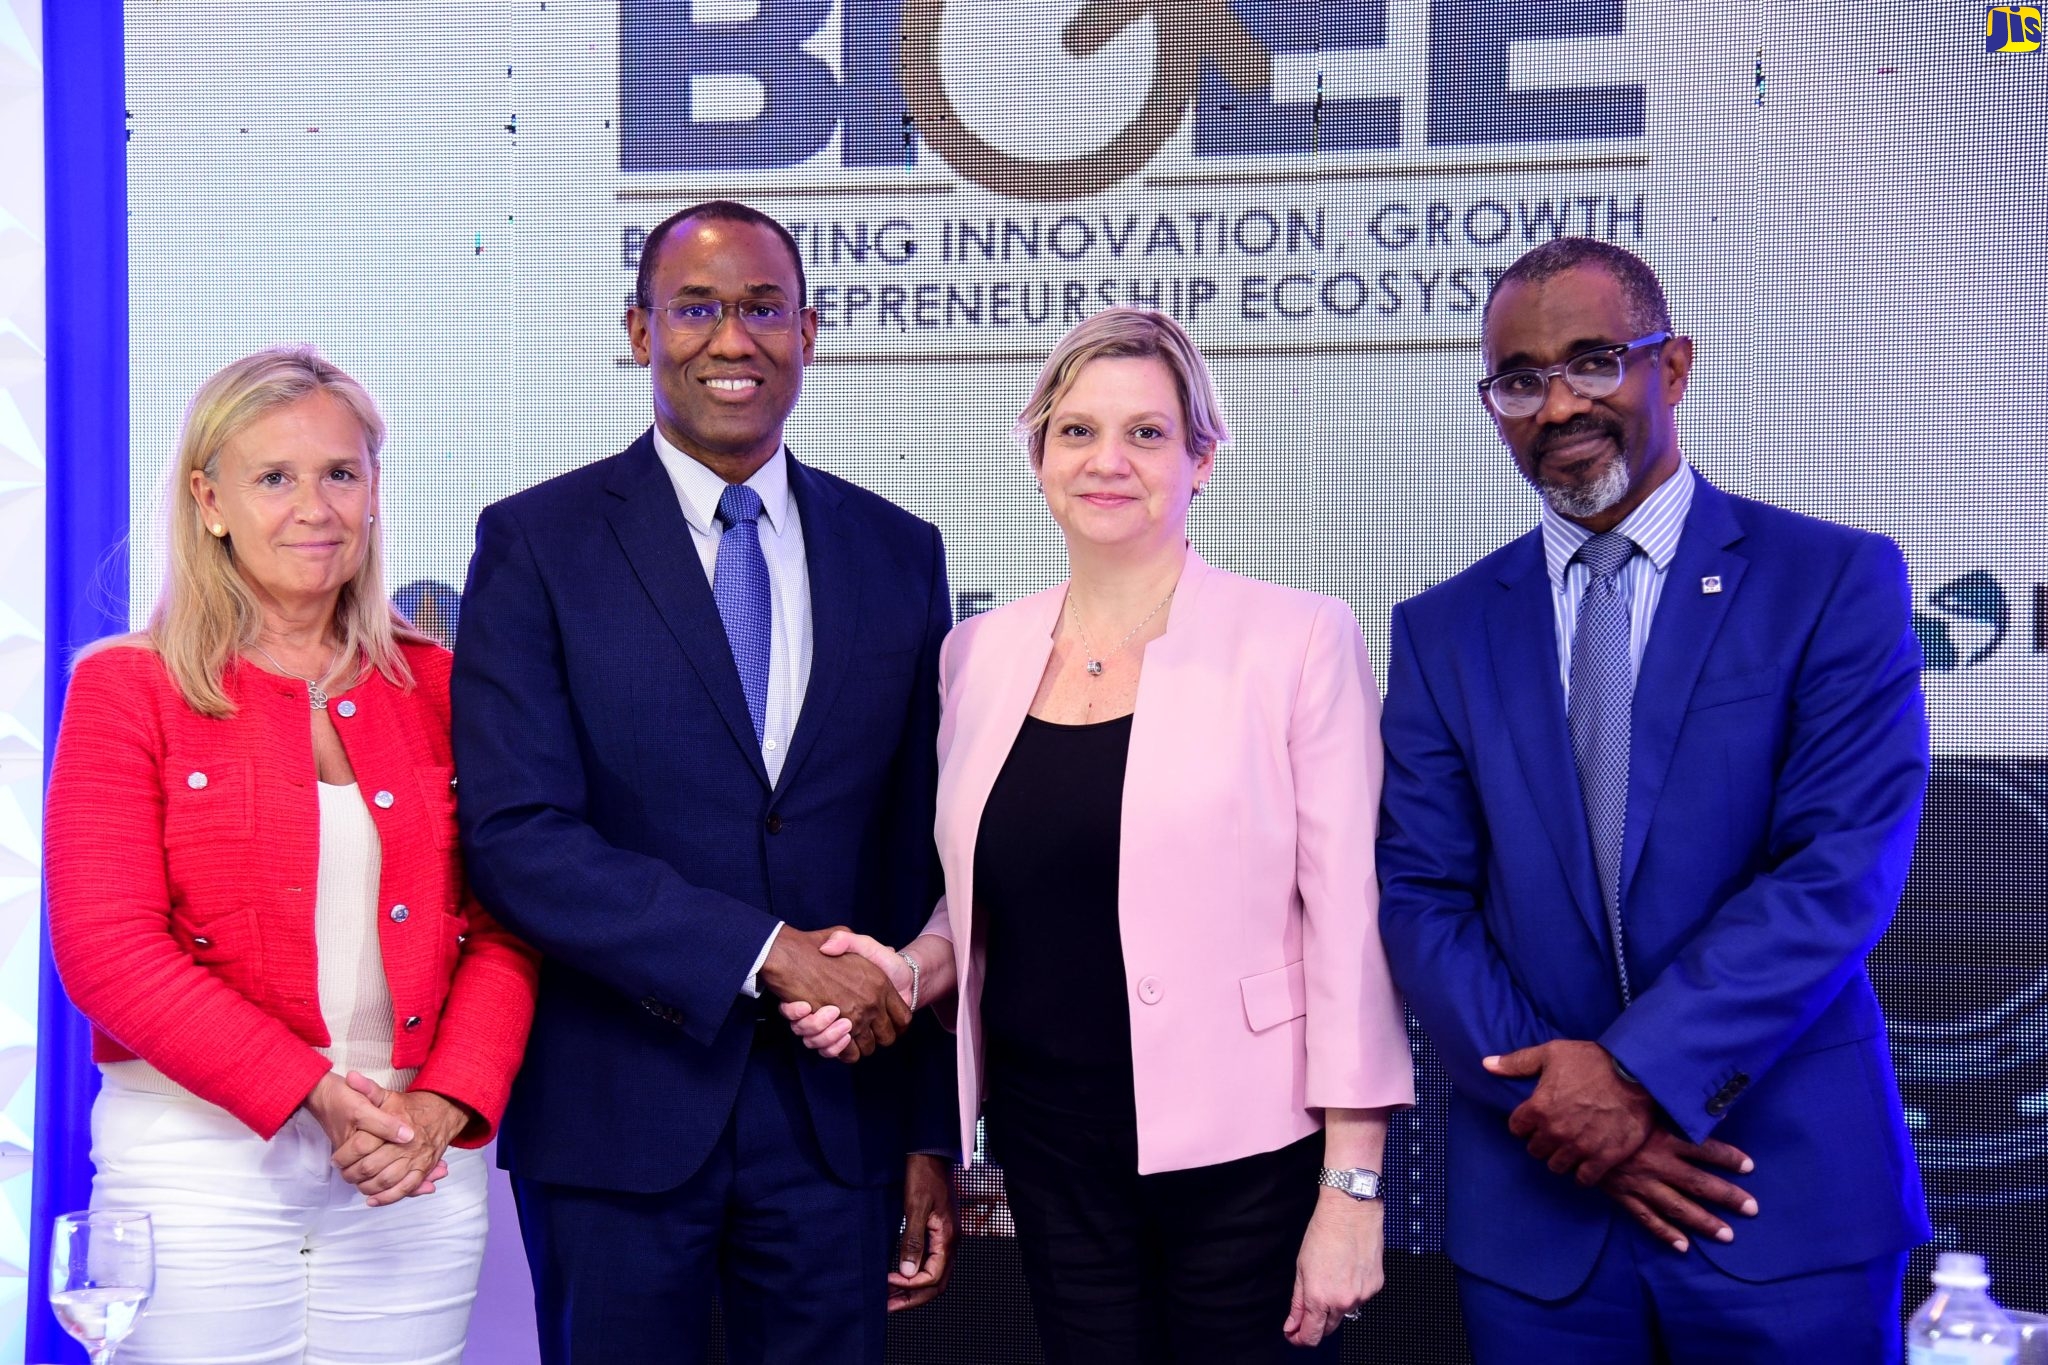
[1778, 761]
[616, 814]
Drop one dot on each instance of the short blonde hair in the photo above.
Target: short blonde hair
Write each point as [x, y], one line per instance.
[1120, 333]
[205, 613]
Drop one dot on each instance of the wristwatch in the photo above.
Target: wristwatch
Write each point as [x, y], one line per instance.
[1357, 1182]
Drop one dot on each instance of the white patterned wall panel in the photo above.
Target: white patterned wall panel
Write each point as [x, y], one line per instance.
[22, 487]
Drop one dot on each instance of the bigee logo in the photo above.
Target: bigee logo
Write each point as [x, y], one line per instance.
[898, 81]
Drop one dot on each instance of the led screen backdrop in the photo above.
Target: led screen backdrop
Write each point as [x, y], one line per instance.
[1845, 203]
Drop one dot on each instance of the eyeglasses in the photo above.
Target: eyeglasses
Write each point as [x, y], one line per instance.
[760, 317]
[1589, 374]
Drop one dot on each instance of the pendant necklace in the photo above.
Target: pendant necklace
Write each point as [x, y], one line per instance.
[316, 695]
[1088, 651]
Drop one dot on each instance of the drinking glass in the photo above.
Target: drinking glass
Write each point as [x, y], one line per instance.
[102, 1269]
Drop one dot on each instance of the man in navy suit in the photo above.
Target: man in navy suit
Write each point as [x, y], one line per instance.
[696, 708]
[1654, 772]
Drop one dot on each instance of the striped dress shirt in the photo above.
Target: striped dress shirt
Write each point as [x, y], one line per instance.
[1655, 528]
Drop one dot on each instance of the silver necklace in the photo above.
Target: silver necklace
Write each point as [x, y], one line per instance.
[316, 695]
[1088, 651]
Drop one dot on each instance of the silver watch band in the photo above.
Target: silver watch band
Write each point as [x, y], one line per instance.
[1358, 1182]
[916, 978]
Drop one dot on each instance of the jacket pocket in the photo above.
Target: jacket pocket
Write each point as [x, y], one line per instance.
[437, 800]
[1274, 997]
[454, 928]
[226, 942]
[1735, 687]
[886, 663]
[212, 839]
[209, 803]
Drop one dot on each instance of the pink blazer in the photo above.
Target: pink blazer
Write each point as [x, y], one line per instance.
[1258, 990]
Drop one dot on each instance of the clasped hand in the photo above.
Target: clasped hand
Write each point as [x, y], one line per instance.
[838, 981]
[1583, 1117]
[1665, 1188]
[387, 1143]
[1587, 1120]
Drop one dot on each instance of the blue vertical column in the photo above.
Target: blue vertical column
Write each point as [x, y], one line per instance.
[86, 177]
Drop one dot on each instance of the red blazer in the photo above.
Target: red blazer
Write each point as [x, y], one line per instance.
[181, 855]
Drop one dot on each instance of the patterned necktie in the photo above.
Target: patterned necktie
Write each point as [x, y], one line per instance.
[1601, 705]
[739, 585]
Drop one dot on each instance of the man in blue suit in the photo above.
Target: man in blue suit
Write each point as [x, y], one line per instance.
[1654, 772]
[696, 709]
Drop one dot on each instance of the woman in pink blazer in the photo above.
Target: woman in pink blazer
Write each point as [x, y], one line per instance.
[1157, 798]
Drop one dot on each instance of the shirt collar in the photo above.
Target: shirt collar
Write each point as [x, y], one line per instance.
[698, 488]
[1654, 527]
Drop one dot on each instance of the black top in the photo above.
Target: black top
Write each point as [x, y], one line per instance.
[1053, 1007]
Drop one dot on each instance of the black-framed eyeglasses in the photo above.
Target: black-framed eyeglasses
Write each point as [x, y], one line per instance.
[1589, 374]
[700, 317]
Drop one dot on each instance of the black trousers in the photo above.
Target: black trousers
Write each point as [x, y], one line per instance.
[1190, 1267]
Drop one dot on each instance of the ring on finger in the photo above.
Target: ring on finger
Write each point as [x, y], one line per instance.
[1353, 1315]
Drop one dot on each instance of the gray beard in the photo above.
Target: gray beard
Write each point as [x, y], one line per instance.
[1590, 499]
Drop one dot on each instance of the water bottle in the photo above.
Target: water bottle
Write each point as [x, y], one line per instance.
[1960, 1324]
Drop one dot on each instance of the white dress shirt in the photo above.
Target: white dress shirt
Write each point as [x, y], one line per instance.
[789, 589]
[1655, 528]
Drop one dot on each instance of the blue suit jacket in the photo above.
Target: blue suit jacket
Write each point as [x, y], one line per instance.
[616, 814]
[1777, 765]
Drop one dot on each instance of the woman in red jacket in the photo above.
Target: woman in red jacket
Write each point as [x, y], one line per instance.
[305, 1025]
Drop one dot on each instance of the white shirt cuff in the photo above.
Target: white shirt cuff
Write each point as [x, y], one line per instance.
[751, 987]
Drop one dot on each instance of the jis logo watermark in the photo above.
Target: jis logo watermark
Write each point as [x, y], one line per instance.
[2012, 28]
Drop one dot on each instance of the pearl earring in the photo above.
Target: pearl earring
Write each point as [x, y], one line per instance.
[219, 531]
[373, 518]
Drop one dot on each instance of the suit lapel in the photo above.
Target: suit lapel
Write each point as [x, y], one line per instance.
[1683, 632]
[648, 521]
[830, 563]
[1521, 626]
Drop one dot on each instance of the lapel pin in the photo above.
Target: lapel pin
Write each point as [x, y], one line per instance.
[1711, 584]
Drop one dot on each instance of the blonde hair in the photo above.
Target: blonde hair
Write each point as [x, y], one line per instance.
[205, 613]
[1117, 333]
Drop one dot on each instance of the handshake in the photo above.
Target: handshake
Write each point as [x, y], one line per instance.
[847, 995]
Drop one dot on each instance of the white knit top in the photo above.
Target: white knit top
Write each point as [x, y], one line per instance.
[355, 997]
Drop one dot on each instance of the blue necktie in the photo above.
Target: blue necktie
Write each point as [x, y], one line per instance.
[739, 585]
[1602, 703]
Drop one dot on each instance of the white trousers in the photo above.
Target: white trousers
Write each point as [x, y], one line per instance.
[266, 1256]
